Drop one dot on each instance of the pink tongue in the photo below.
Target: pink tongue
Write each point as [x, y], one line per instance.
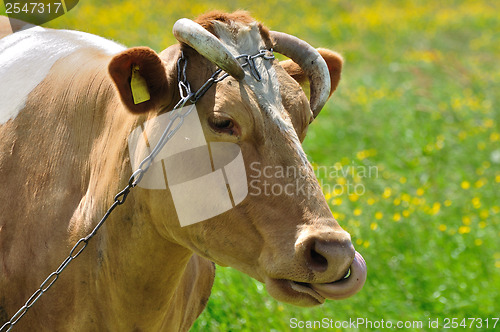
[346, 287]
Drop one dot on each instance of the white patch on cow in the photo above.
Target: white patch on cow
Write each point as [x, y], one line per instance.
[27, 56]
[249, 41]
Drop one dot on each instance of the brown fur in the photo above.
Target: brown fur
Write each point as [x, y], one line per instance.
[207, 21]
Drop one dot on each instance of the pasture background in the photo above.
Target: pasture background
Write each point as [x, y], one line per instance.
[419, 100]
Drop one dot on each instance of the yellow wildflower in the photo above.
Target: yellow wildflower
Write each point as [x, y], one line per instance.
[416, 201]
[476, 202]
[481, 182]
[464, 229]
[337, 191]
[488, 123]
[466, 220]
[336, 201]
[353, 197]
[361, 155]
[338, 216]
[435, 208]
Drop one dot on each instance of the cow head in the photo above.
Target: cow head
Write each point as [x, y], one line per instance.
[286, 237]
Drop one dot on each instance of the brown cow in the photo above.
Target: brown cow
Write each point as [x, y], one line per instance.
[66, 112]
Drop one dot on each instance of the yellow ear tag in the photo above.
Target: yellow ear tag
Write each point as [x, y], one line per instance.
[139, 87]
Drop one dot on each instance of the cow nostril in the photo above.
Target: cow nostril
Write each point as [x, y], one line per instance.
[328, 259]
[324, 254]
[317, 261]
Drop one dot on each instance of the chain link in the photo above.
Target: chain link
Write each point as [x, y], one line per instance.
[176, 114]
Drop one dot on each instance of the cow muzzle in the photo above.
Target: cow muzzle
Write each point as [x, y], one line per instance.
[330, 269]
[346, 287]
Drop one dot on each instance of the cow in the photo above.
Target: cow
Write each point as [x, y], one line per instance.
[66, 112]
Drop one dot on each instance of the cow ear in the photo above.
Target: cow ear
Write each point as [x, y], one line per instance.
[333, 60]
[141, 79]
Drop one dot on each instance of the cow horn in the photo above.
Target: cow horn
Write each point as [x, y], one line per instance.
[311, 62]
[191, 33]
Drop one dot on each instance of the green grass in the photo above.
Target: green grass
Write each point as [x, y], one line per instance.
[419, 100]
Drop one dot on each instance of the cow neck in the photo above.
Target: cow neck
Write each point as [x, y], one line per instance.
[140, 268]
[134, 264]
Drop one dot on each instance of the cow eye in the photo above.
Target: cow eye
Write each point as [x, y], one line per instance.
[221, 124]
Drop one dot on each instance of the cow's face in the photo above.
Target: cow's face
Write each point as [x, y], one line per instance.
[283, 232]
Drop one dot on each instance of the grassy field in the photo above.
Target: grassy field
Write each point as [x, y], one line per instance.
[419, 103]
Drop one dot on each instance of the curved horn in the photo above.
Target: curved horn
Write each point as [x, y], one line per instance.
[311, 62]
[205, 43]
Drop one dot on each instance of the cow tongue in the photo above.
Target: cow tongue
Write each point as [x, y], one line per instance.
[348, 286]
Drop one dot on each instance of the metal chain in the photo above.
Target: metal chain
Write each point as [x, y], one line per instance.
[176, 114]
